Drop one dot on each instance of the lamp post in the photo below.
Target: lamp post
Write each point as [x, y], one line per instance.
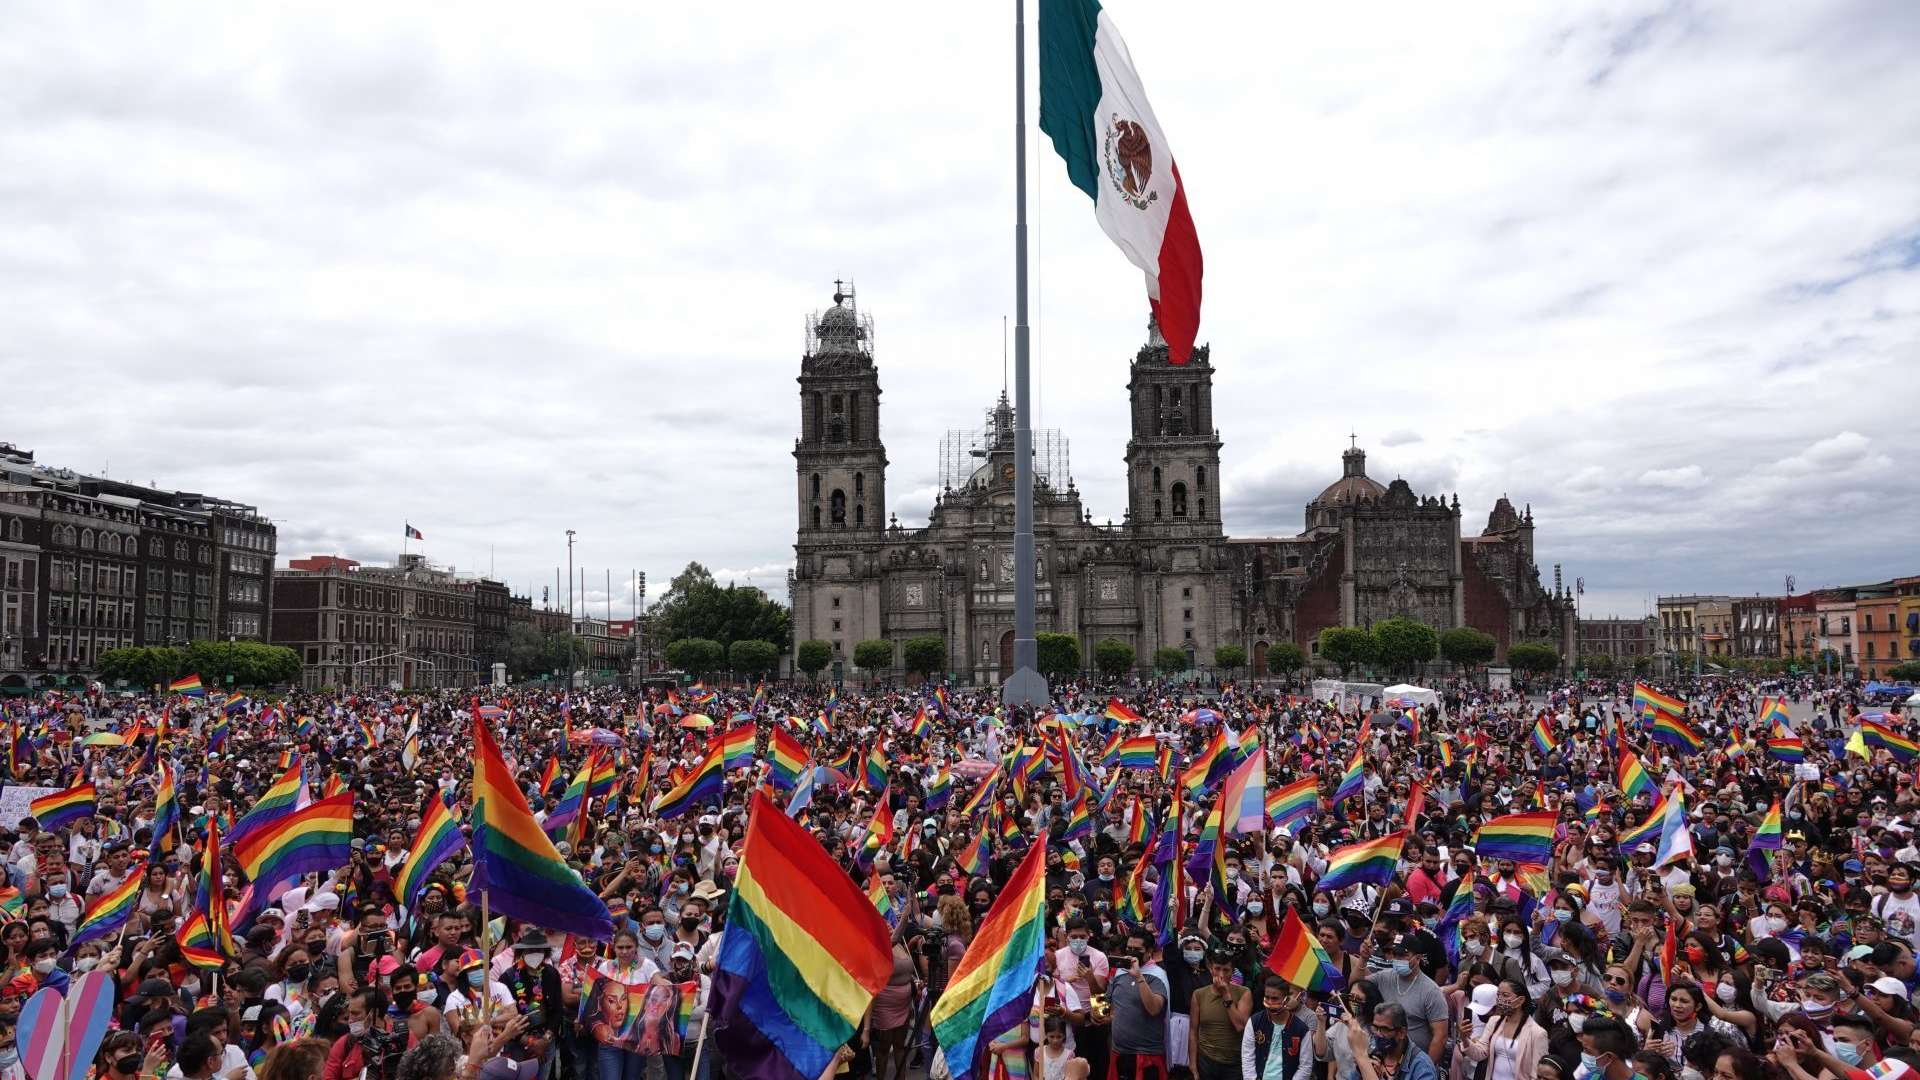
[569, 581]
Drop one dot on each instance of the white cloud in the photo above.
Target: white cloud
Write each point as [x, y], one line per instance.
[505, 275]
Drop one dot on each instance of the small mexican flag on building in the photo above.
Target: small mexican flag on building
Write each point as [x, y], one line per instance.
[1092, 105]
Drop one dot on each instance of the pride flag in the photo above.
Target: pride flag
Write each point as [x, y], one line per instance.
[314, 840]
[514, 864]
[1768, 837]
[166, 811]
[736, 746]
[1226, 896]
[1138, 752]
[991, 990]
[804, 954]
[1370, 861]
[1294, 802]
[973, 860]
[1647, 831]
[789, 758]
[63, 808]
[1543, 740]
[874, 774]
[1524, 838]
[939, 790]
[981, 794]
[1118, 710]
[707, 782]
[1874, 733]
[572, 801]
[1633, 779]
[188, 685]
[1676, 838]
[1353, 780]
[1673, 731]
[439, 837]
[1243, 798]
[879, 836]
[108, 912]
[1298, 958]
[203, 937]
[279, 800]
[1170, 900]
[1648, 700]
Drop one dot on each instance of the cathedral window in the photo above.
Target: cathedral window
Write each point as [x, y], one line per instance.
[1179, 500]
[1156, 478]
[838, 505]
[859, 484]
[1200, 478]
[816, 515]
[1156, 509]
[836, 419]
[860, 516]
[1203, 507]
[816, 485]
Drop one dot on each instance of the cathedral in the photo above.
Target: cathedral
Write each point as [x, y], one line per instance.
[1166, 574]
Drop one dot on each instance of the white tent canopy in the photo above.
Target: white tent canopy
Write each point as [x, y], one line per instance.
[1408, 692]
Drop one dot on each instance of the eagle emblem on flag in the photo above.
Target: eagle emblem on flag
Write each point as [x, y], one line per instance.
[1128, 155]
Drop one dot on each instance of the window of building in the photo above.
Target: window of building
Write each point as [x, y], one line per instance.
[816, 485]
[1200, 478]
[1202, 507]
[1179, 500]
[86, 539]
[859, 484]
[1187, 614]
[1156, 509]
[859, 516]
[1189, 633]
[836, 626]
[836, 603]
[838, 504]
[1156, 478]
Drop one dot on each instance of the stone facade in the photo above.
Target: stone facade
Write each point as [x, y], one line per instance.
[1167, 575]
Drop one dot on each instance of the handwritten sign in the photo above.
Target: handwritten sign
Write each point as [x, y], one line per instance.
[14, 800]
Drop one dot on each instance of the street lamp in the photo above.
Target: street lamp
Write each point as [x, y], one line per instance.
[569, 581]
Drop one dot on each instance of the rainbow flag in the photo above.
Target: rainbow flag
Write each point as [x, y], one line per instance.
[1446, 752]
[1298, 958]
[108, 911]
[991, 990]
[1647, 831]
[1132, 906]
[1370, 861]
[1787, 748]
[1137, 830]
[1773, 713]
[1673, 731]
[1543, 740]
[699, 694]
[804, 954]
[601, 779]
[874, 772]
[279, 800]
[1520, 837]
[1647, 700]
[879, 833]
[1118, 710]
[1872, 732]
[940, 699]
[1138, 752]
[981, 794]
[1170, 900]
[203, 936]
[1225, 896]
[166, 811]
[706, 783]
[572, 801]
[188, 685]
[514, 863]
[921, 726]
[787, 759]
[1676, 837]
[439, 837]
[1293, 802]
[736, 747]
[13, 902]
[1354, 780]
[63, 808]
[1010, 833]
[1079, 821]
[1243, 797]
[939, 790]
[973, 860]
[1633, 779]
[1768, 837]
[236, 702]
[881, 898]
[313, 840]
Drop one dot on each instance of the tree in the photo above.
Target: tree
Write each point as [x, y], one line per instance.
[1533, 657]
[1113, 657]
[1906, 671]
[750, 657]
[873, 655]
[813, 657]
[1403, 645]
[1057, 655]
[142, 666]
[1229, 657]
[697, 656]
[1168, 659]
[1346, 647]
[1597, 663]
[1285, 658]
[924, 655]
[1643, 665]
[696, 606]
[240, 663]
[1463, 646]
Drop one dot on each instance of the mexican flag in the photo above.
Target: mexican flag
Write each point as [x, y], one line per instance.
[1092, 105]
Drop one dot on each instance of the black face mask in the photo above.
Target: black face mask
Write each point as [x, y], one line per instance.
[299, 972]
[128, 1065]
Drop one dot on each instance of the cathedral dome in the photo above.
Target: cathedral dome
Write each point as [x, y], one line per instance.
[1354, 483]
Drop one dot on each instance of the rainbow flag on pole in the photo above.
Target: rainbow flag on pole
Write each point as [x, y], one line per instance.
[707, 782]
[788, 758]
[1354, 779]
[804, 954]
[188, 685]
[1294, 802]
[1647, 831]
[1526, 838]
[514, 863]
[991, 991]
[1673, 731]
[63, 808]
[1633, 779]
[278, 801]
[108, 912]
[1543, 740]
[439, 837]
[1648, 701]
[314, 840]
[1872, 732]
[1768, 837]
[1119, 710]
[1370, 861]
[1243, 797]
[1298, 958]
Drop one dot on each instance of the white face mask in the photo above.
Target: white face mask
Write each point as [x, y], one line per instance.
[1563, 978]
[1775, 924]
[1726, 992]
[536, 959]
[1513, 941]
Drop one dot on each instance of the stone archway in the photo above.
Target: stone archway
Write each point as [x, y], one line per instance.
[1006, 654]
[1259, 659]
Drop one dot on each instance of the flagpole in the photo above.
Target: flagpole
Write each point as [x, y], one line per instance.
[1024, 686]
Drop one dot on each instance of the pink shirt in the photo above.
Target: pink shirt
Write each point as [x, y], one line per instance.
[1068, 969]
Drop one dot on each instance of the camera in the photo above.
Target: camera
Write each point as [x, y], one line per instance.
[382, 1051]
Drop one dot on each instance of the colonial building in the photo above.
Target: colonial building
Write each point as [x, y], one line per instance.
[1619, 640]
[1166, 575]
[407, 626]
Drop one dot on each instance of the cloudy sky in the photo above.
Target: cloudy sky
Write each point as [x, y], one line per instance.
[1652, 267]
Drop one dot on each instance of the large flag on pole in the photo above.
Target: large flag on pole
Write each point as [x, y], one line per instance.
[1093, 107]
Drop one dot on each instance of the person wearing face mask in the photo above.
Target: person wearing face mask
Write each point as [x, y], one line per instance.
[372, 1046]
[1084, 969]
[1513, 1041]
[43, 959]
[1423, 1012]
[1606, 1051]
[1277, 1042]
[655, 943]
[692, 988]
[1385, 1049]
[1898, 909]
[534, 983]
[1687, 1016]
[471, 986]
[1186, 972]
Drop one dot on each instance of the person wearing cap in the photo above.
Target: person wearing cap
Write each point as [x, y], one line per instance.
[1423, 1007]
[1885, 1002]
[534, 983]
[692, 988]
[474, 984]
[1513, 1039]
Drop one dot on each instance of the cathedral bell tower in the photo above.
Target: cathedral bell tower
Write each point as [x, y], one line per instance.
[839, 460]
[1173, 456]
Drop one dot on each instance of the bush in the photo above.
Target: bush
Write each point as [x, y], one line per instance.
[752, 657]
[1229, 657]
[1534, 658]
[873, 655]
[1346, 647]
[1113, 657]
[697, 656]
[1403, 645]
[1464, 646]
[1906, 671]
[925, 655]
[812, 656]
[1168, 659]
[1057, 655]
[1285, 658]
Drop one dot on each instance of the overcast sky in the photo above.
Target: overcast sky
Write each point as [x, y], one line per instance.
[1652, 267]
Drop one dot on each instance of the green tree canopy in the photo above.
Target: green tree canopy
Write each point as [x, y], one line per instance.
[143, 665]
[1533, 657]
[749, 657]
[1229, 657]
[1906, 671]
[813, 656]
[1285, 658]
[1058, 655]
[1169, 659]
[1113, 657]
[696, 606]
[1346, 647]
[924, 655]
[1463, 646]
[697, 656]
[1404, 644]
[873, 654]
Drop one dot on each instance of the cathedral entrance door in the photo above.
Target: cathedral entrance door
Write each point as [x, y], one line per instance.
[1259, 659]
[1006, 654]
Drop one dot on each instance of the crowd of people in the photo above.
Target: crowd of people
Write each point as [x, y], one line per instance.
[1619, 957]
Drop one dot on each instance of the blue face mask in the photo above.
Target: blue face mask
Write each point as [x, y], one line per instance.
[1403, 968]
[476, 979]
[1848, 1053]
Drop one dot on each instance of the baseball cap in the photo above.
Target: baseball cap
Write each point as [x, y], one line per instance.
[1399, 907]
[1890, 986]
[1484, 997]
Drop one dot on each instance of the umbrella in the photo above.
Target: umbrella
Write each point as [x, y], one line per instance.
[972, 768]
[1201, 716]
[104, 738]
[598, 737]
[697, 721]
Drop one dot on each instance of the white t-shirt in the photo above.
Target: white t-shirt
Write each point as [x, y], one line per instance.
[1901, 915]
[231, 1058]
